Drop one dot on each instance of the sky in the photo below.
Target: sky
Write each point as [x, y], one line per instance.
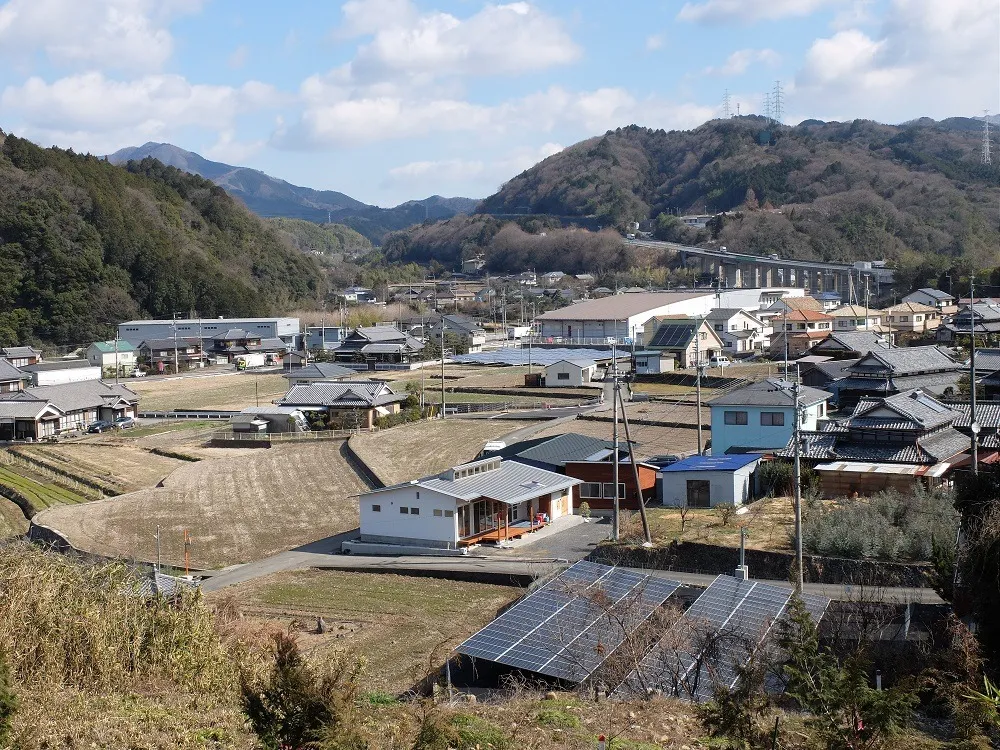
[391, 100]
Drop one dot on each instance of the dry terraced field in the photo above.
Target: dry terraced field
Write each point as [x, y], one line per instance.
[422, 448]
[112, 463]
[232, 391]
[238, 508]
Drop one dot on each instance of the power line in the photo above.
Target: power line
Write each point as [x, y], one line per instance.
[776, 102]
[726, 111]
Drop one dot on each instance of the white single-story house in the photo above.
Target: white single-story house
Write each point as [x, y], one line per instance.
[652, 362]
[707, 481]
[570, 373]
[61, 371]
[464, 505]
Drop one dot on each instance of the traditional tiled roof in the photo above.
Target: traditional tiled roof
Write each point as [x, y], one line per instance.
[861, 342]
[910, 307]
[321, 371]
[833, 370]
[905, 360]
[8, 372]
[799, 303]
[916, 409]
[805, 315]
[351, 394]
[987, 360]
[935, 293]
[69, 397]
[854, 311]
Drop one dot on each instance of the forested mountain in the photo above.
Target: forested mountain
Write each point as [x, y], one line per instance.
[269, 196]
[915, 194]
[329, 241]
[85, 244]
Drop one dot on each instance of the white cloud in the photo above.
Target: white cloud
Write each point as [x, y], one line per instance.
[654, 42]
[466, 177]
[350, 122]
[239, 57]
[499, 39]
[91, 106]
[738, 62]
[121, 34]
[929, 58]
[737, 11]
[229, 149]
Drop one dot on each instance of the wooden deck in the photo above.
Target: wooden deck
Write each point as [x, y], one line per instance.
[501, 534]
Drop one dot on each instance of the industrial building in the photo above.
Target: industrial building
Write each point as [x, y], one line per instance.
[209, 329]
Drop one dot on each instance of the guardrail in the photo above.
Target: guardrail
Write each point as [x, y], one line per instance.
[288, 437]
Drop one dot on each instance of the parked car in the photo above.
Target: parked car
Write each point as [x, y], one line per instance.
[101, 425]
[719, 360]
[126, 423]
[139, 373]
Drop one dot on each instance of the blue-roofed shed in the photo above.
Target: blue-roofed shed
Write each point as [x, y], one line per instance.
[707, 481]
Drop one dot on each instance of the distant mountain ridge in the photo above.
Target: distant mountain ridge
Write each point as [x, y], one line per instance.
[269, 196]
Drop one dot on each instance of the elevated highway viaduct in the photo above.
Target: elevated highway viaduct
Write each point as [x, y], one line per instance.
[742, 270]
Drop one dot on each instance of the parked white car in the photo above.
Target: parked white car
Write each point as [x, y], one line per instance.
[719, 360]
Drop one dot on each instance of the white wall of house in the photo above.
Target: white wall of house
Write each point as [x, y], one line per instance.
[568, 375]
[104, 360]
[70, 375]
[389, 525]
[732, 487]
[754, 426]
[653, 364]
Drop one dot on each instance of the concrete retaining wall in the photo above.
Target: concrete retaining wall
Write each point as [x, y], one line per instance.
[694, 557]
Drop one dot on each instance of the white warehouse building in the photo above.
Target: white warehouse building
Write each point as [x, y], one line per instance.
[137, 331]
[623, 316]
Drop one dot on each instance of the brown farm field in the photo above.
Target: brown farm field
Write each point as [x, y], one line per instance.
[230, 391]
[238, 508]
[770, 523]
[423, 448]
[401, 625]
[117, 464]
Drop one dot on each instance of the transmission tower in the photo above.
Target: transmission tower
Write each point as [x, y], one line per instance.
[726, 112]
[776, 103]
[986, 137]
[767, 107]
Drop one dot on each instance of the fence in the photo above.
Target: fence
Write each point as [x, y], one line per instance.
[188, 414]
[285, 437]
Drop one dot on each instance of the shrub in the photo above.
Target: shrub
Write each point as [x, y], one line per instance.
[775, 478]
[8, 701]
[585, 509]
[886, 526]
[725, 511]
[553, 717]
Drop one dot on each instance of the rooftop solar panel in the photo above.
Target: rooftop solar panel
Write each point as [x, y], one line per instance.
[570, 625]
[671, 335]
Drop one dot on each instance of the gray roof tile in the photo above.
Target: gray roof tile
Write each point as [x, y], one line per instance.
[770, 392]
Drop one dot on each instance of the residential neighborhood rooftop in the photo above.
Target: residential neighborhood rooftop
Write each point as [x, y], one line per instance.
[729, 462]
[618, 306]
[770, 392]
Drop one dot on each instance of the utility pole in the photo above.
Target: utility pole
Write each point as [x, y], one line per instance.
[866, 301]
[443, 329]
[117, 364]
[174, 317]
[635, 473]
[157, 548]
[615, 529]
[697, 380]
[796, 437]
[973, 424]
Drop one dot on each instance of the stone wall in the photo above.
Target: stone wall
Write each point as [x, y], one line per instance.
[694, 557]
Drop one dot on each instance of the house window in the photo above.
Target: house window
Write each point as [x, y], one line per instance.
[703, 336]
[736, 417]
[438, 513]
[917, 318]
[590, 489]
[418, 494]
[904, 318]
[562, 376]
[376, 508]
[609, 491]
[718, 327]
[449, 514]
[414, 511]
[404, 510]
[772, 419]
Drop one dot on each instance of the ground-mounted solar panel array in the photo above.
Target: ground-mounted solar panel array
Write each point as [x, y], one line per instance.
[535, 355]
[571, 625]
[715, 638]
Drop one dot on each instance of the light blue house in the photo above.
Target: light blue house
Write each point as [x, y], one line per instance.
[759, 416]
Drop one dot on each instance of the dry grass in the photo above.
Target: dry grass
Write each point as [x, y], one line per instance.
[12, 520]
[423, 448]
[231, 391]
[770, 523]
[238, 508]
[124, 467]
[652, 440]
[401, 625]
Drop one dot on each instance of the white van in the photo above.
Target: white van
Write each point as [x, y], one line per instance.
[719, 360]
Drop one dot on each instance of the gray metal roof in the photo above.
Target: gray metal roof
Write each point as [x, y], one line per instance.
[321, 371]
[770, 392]
[581, 363]
[512, 482]
[619, 306]
[560, 449]
[59, 364]
[182, 343]
[935, 293]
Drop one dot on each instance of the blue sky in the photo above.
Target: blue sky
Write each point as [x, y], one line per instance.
[388, 100]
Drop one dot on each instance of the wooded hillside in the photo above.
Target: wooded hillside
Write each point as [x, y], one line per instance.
[915, 194]
[84, 244]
